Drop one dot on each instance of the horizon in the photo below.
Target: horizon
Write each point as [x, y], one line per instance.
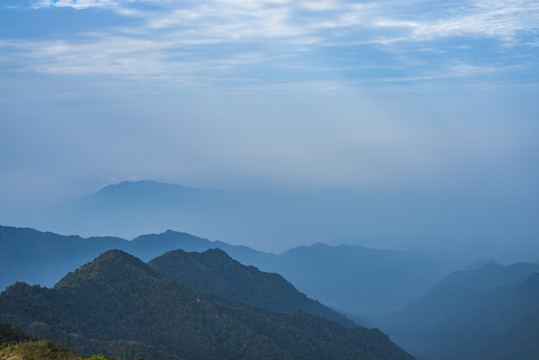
[412, 98]
[262, 235]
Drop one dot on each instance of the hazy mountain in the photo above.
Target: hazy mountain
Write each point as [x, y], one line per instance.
[486, 313]
[279, 221]
[479, 263]
[120, 306]
[43, 258]
[362, 280]
[214, 272]
[455, 289]
[150, 246]
[350, 278]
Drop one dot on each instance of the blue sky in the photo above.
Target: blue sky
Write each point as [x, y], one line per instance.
[268, 95]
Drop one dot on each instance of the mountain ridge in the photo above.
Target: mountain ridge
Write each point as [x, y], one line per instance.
[117, 297]
[276, 220]
[214, 271]
[340, 277]
[473, 314]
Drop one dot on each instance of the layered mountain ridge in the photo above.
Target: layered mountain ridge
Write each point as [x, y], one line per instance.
[213, 271]
[131, 208]
[490, 312]
[353, 278]
[121, 306]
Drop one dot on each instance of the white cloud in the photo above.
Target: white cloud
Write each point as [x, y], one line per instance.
[170, 39]
[82, 4]
[321, 5]
[278, 18]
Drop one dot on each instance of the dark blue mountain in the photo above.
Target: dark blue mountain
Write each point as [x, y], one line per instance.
[43, 257]
[214, 272]
[274, 221]
[486, 313]
[352, 278]
[120, 306]
[360, 280]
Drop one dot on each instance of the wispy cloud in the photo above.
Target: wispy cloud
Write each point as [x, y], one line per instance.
[160, 38]
[501, 19]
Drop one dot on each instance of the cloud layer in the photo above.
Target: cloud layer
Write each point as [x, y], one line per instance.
[278, 42]
[394, 85]
[409, 96]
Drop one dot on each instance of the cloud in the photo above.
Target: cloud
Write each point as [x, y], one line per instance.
[171, 39]
[283, 94]
[502, 19]
[76, 4]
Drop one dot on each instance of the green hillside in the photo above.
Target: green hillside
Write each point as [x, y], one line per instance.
[16, 345]
[213, 271]
[119, 306]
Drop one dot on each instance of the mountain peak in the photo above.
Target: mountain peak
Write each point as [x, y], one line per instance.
[118, 256]
[217, 253]
[140, 185]
[114, 305]
[111, 266]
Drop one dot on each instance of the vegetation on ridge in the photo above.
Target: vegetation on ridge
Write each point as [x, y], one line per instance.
[122, 307]
[16, 345]
[213, 271]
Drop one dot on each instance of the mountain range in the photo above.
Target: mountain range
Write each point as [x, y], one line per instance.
[276, 222]
[120, 306]
[486, 310]
[489, 312]
[352, 278]
[213, 271]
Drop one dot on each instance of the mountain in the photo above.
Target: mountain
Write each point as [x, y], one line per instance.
[355, 279]
[360, 280]
[120, 306]
[43, 257]
[36, 257]
[278, 221]
[214, 272]
[487, 313]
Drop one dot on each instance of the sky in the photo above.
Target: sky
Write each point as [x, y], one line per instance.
[269, 95]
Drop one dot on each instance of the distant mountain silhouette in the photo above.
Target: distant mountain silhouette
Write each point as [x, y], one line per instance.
[351, 278]
[362, 280]
[278, 221]
[214, 272]
[121, 306]
[491, 312]
[43, 258]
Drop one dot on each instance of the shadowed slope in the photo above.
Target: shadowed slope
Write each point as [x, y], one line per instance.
[213, 271]
[120, 306]
[487, 313]
[356, 279]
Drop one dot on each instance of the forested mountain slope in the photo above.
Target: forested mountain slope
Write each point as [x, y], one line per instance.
[488, 313]
[122, 307]
[213, 271]
[353, 278]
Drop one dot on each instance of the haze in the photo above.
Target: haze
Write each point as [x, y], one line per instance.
[408, 97]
